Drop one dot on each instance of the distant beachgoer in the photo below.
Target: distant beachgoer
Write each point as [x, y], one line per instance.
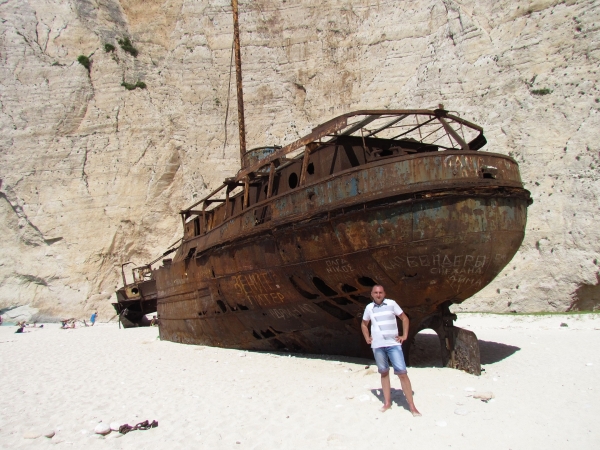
[19, 330]
[93, 318]
[0, 320]
[154, 321]
[386, 344]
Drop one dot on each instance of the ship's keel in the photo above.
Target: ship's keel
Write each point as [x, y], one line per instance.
[459, 348]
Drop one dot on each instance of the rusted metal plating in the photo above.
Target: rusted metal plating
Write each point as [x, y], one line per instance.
[284, 255]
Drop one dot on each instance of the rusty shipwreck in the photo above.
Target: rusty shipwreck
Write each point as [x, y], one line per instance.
[283, 255]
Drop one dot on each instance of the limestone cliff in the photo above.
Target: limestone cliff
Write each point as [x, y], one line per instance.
[93, 174]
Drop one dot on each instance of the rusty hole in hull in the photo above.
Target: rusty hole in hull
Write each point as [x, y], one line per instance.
[242, 307]
[302, 292]
[410, 275]
[323, 287]
[222, 305]
[361, 299]
[267, 333]
[367, 281]
[347, 288]
[311, 169]
[341, 301]
[256, 335]
[336, 312]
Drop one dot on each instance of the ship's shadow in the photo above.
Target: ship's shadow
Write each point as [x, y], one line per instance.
[426, 352]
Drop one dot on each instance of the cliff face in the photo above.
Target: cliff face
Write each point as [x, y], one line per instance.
[93, 174]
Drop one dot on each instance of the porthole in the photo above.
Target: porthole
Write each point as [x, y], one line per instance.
[293, 180]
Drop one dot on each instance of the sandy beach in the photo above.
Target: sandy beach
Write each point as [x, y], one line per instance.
[543, 376]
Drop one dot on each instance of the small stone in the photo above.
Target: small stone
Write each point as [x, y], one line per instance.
[364, 398]
[461, 411]
[31, 435]
[349, 397]
[237, 442]
[102, 428]
[484, 396]
[563, 324]
[50, 434]
[114, 426]
[441, 423]
[470, 389]
[589, 364]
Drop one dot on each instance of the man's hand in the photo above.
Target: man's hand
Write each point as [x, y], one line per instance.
[369, 340]
[400, 339]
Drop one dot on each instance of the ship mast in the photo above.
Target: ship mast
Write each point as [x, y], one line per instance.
[238, 76]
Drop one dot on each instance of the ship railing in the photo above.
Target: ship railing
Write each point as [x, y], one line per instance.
[437, 128]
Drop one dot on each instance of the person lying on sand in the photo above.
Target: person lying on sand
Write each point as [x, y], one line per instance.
[386, 344]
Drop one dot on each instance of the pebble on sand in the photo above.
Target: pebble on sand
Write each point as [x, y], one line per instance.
[461, 411]
[115, 426]
[102, 428]
[441, 423]
[484, 396]
[49, 434]
[31, 435]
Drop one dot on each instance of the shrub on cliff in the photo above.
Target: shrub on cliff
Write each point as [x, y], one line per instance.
[84, 61]
[126, 45]
[131, 86]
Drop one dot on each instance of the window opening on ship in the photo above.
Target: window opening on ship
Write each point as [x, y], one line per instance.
[323, 287]
[311, 169]
[293, 180]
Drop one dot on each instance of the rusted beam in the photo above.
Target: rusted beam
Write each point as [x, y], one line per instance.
[246, 193]
[238, 77]
[452, 132]
[271, 179]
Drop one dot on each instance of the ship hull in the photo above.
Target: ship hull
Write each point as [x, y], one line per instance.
[301, 284]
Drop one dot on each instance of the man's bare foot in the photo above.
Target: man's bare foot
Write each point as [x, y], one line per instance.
[384, 408]
[415, 412]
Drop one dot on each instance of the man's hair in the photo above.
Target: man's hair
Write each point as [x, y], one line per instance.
[377, 285]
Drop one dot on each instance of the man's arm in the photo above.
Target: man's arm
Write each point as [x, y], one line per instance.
[364, 326]
[405, 324]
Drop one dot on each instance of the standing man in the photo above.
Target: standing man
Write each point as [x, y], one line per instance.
[386, 343]
[93, 317]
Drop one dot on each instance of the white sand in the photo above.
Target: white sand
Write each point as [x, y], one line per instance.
[544, 379]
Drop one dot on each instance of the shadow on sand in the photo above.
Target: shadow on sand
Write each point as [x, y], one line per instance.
[398, 398]
[425, 351]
